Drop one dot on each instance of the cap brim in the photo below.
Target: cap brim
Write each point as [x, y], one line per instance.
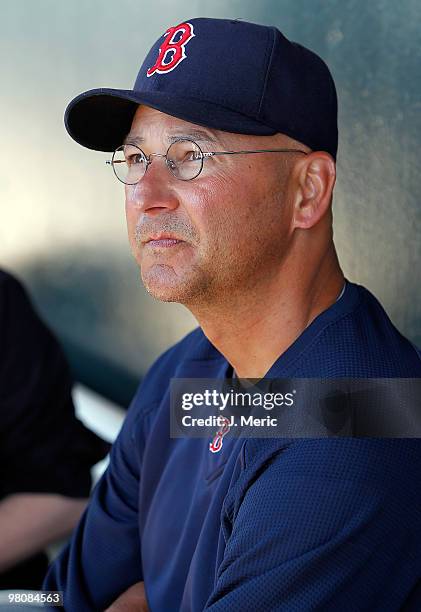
[100, 119]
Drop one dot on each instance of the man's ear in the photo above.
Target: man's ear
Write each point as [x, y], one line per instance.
[315, 179]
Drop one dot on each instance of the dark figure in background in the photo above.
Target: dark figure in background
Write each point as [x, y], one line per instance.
[45, 451]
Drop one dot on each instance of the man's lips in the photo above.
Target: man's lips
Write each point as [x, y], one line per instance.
[163, 240]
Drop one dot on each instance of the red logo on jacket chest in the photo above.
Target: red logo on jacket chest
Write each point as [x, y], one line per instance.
[218, 439]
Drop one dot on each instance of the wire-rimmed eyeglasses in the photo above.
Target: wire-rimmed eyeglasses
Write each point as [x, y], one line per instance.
[184, 159]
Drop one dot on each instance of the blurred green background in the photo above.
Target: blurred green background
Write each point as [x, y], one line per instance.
[62, 213]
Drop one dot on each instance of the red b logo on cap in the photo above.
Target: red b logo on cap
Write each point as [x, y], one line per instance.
[172, 51]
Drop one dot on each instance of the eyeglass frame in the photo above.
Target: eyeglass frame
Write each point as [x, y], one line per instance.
[204, 155]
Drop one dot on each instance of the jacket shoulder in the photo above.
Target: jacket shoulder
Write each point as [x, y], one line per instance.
[157, 378]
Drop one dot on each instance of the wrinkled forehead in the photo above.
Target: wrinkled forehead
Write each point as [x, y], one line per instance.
[149, 124]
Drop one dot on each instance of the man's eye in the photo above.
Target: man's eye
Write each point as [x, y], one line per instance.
[135, 159]
[187, 156]
[191, 156]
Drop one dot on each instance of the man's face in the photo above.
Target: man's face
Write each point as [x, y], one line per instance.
[233, 221]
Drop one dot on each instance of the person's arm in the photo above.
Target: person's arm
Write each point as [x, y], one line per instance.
[323, 524]
[31, 521]
[132, 600]
[46, 453]
[103, 558]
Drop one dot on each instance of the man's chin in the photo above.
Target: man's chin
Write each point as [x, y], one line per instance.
[164, 285]
[167, 284]
[163, 295]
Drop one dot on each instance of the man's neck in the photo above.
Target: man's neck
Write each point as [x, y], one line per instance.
[252, 331]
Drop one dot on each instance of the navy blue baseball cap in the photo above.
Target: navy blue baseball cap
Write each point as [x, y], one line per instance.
[224, 74]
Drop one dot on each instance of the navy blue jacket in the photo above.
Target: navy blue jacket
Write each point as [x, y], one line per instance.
[265, 524]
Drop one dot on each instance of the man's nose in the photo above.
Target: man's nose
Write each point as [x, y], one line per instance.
[155, 191]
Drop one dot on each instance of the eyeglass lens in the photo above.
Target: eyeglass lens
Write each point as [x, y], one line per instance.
[184, 159]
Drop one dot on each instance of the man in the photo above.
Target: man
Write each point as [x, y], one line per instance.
[244, 240]
[46, 453]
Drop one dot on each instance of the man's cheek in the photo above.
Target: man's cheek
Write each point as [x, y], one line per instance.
[131, 222]
[135, 246]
